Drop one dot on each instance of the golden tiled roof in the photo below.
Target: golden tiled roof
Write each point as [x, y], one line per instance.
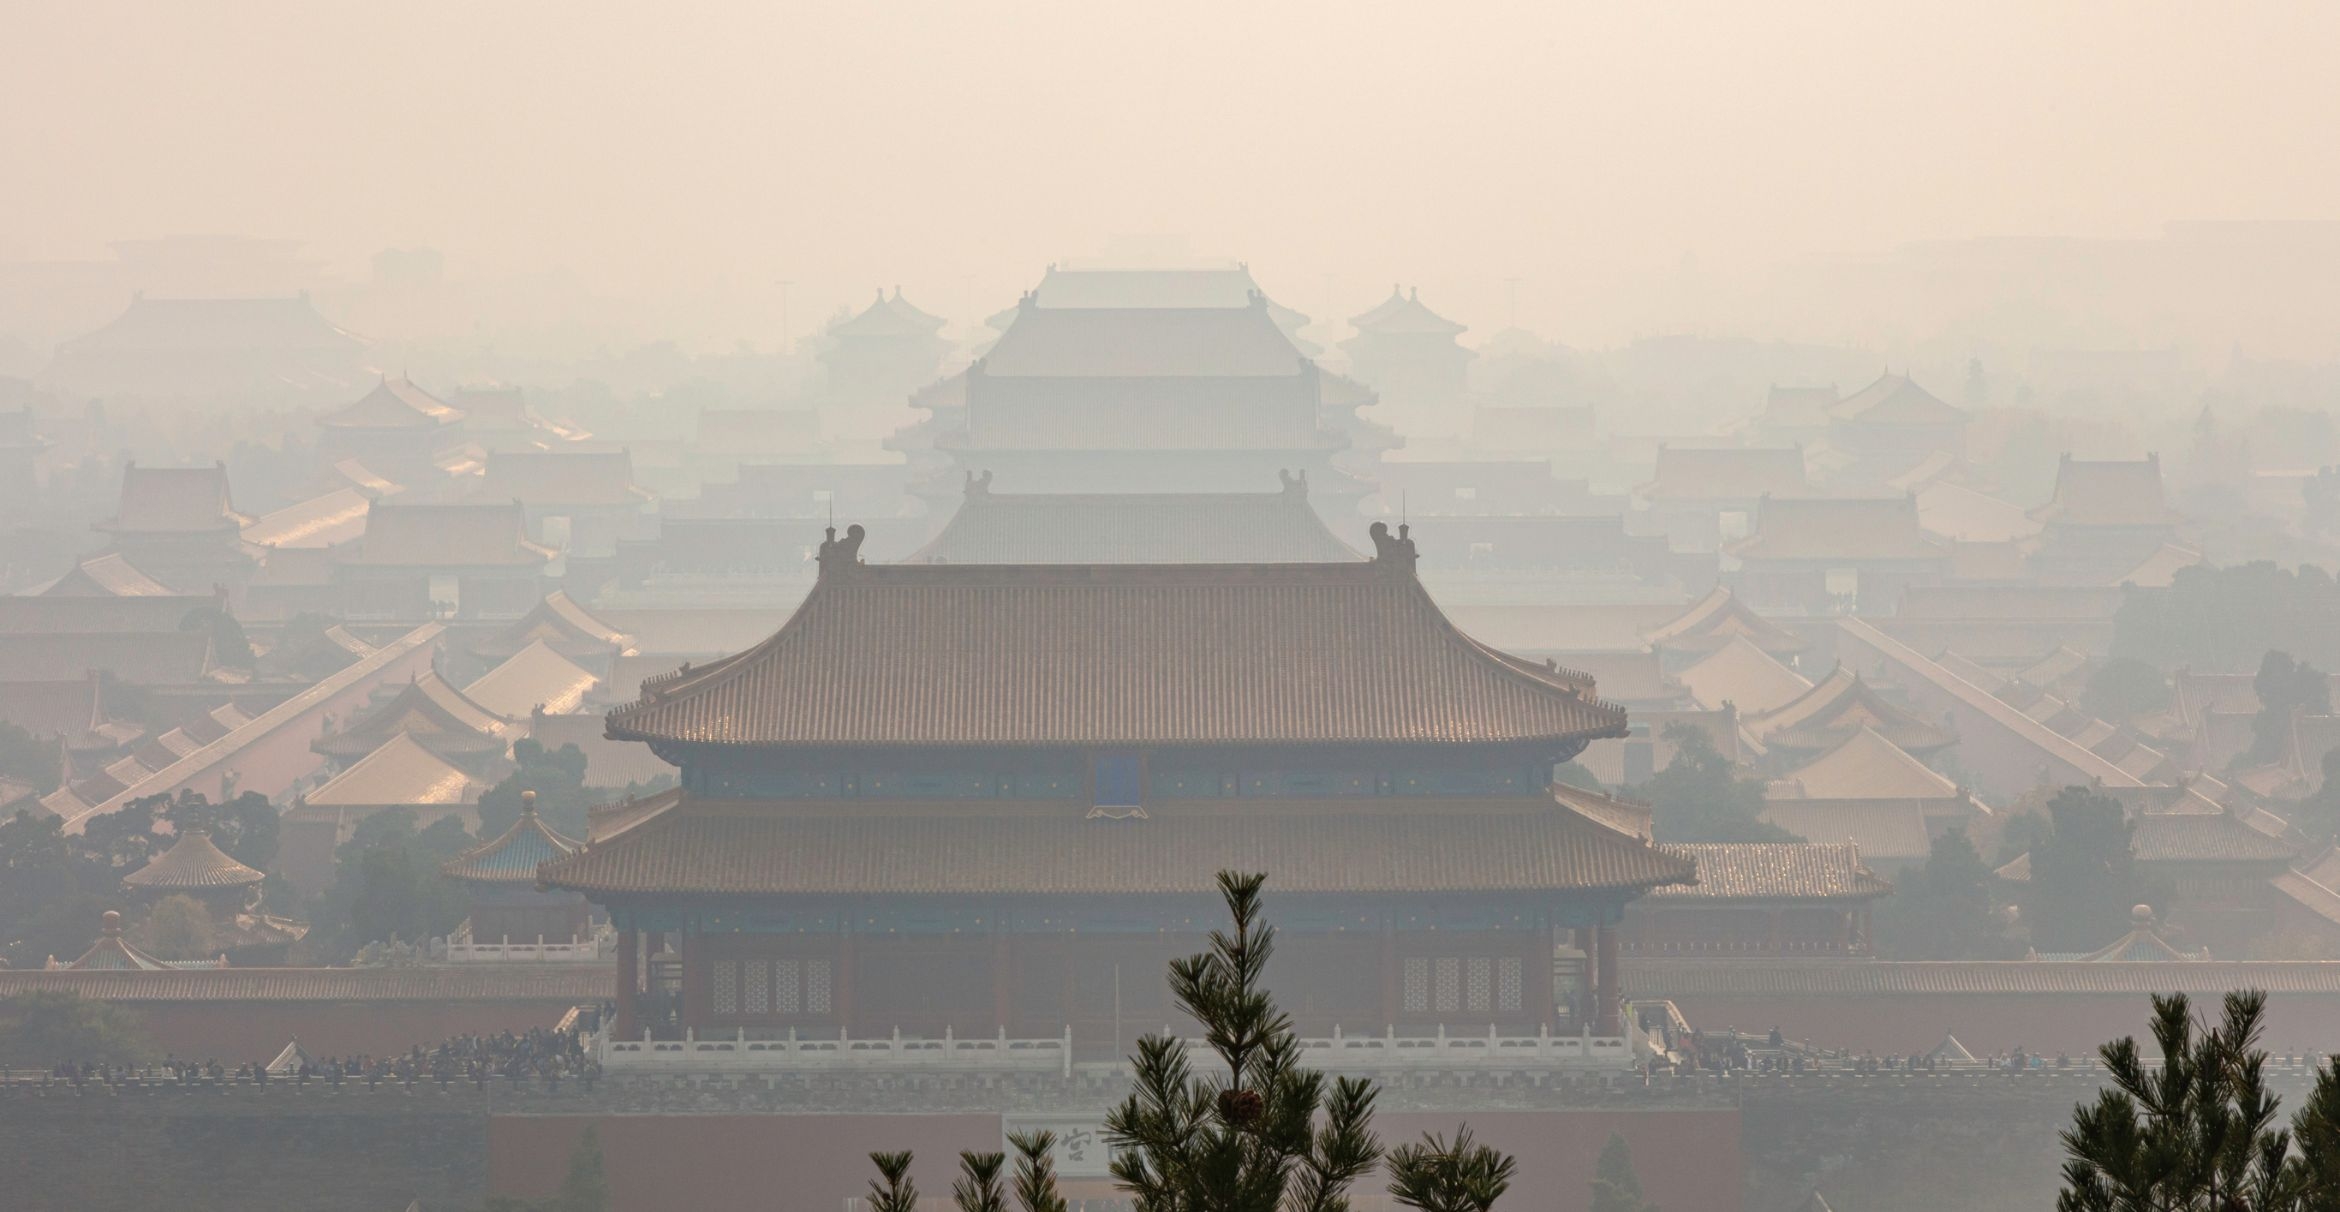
[1730, 871]
[194, 861]
[1112, 655]
[734, 848]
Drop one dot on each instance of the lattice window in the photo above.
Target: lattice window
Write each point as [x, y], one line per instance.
[1448, 970]
[759, 986]
[1477, 978]
[1417, 985]
[816, 986]
[789, 997]
[726, 986]
[1508, 971]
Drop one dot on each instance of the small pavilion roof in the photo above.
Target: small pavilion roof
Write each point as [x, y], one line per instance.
[1800, 871]
[1134, 528]
[513, 856]
[174, 500]
[561, 622]
[1865, 767]
[1197, 654]
[2142, 944]
[1402, 313]
[289, 1059]
[1712, 621]
[400, 772]
[393, 404]
[683, 845]
[1840, 705]
[445, 720]
[534, 677]
[105, 576]
[112, 952]
[194, 861]
[1743, 675]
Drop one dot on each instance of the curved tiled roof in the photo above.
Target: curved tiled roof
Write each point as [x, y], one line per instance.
[1740, 673]
[445, 720]
[194, 861]
[512, 857]
[1775, 871]
[536, 677]
[1115, 655]
[1835, 709]
[1865, 767]
[1716, 619]
[1134, 528]
[744, 848]
[403, 771]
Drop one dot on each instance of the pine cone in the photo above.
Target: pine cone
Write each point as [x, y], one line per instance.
[1241, 1108]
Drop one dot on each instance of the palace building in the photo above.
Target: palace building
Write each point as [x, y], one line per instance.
[989, 801]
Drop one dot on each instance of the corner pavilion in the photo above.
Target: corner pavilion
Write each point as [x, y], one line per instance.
[992, 799]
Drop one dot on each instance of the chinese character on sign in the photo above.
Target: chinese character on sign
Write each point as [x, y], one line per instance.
[1081, 1151]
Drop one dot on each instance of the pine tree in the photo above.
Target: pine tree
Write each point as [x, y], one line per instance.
[979, 1188]
[892, 1190]
[1244, 1139]
[1036, 1172]
[1435, 1176]
[2198, 1133]
[1616, 1188]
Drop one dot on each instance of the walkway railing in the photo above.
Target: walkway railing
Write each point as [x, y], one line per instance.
[1339, 1053]
[463, 951]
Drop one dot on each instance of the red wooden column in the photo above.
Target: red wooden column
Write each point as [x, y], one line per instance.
[1391, 975]
[695, 1003]
[1003, 977]
[1609, 1008]
[843, 993]
[629, 983]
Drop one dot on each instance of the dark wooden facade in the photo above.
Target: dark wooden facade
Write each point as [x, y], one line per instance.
[986, 799]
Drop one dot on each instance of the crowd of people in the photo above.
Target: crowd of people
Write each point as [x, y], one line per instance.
[550, 1055]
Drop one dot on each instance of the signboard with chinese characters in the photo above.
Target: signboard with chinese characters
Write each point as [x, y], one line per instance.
[1080, 1143]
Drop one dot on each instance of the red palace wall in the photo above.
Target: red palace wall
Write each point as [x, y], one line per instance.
[815, 1162]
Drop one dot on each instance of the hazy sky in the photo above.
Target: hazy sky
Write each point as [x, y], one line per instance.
[707, 151]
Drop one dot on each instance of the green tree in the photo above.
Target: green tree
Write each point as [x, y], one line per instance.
[386, 883]
[1943, 910]
[2285, 688]
[47, 1027]
[2318, 814]
[2227, 618]
[1700, 796]
[1244, 1138]
[2124, 688]
[584, 1188]
[1615, 1187]
[28, 759]
[229, 645]
[557, 776]
[177, 928]
[2083, 874]
[2198, 1133]
[1436, 1176]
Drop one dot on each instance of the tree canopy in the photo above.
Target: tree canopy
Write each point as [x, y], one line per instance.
[46, 1026]
[2225, 619]
[2083, 873]
[2198, 1133]
[1944, 909]
[1700, 797]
